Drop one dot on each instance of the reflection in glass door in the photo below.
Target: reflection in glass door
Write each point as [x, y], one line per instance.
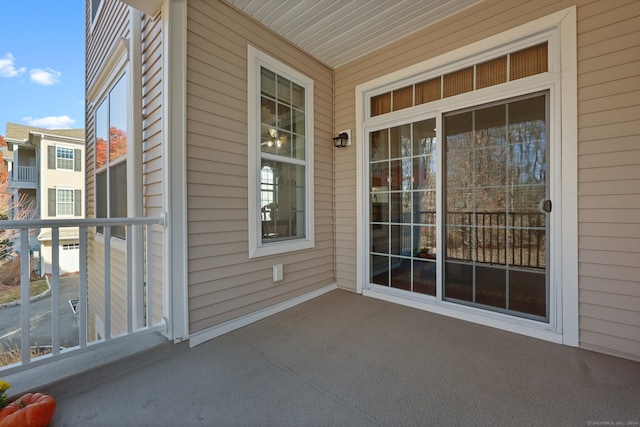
[402, 207]
[495, 224]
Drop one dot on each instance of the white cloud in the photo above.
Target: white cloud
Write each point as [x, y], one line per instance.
[46, 77]
[52, 122]
[7, 69]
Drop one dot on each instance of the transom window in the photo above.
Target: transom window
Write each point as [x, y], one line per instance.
[513, 66]
[64, 158]
[281, 187]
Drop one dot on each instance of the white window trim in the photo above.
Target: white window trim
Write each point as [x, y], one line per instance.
[256, 59]
[564, 327]
[121, 63]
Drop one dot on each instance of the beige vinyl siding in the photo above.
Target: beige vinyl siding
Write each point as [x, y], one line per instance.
[153, 150]
[608, 150]
[223, 283]
[118, 291]
[609, 174]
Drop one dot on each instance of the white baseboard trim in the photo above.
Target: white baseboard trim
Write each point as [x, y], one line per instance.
[199, 337]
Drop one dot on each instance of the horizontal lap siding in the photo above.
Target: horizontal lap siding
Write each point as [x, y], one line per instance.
[609, 176]
[608, 150]
[153, 151]
[223, 282]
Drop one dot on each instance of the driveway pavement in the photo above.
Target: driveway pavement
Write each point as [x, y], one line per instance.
[40, 314]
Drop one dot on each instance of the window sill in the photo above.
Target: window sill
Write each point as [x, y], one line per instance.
[116, 243]
[280, 247]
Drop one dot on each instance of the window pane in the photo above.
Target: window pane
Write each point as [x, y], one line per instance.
[491, 73]
[102, 134]
[428, 91]
[298, 121]
[284, 217]
[379, 273]
[118, 196]
[101, 197]
[528, 62]
[458, 82]
[424, 138]
[380, 104]
[267, 82]
[379, 145]
[424, 277]
[403, 98]
[118, 120]
[284, 90]
[400, 141]
[297, 96]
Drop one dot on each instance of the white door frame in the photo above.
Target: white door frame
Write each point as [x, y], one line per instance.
[563, 327]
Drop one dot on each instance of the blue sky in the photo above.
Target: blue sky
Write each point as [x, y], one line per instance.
[42, 63]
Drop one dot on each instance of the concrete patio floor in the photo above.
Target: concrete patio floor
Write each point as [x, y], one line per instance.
[347, 360]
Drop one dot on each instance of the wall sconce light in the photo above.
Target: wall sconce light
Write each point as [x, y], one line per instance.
[343, 139]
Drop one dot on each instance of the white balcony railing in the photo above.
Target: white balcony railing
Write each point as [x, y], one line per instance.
[25, 174]
[135, 308]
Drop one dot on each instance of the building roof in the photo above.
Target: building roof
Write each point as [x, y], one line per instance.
[66, 233]
[21, 132]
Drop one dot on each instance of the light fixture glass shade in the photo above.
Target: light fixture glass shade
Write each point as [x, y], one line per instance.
[341, 140]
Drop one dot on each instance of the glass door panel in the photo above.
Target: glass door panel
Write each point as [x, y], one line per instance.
[495, 232]
[402, 177]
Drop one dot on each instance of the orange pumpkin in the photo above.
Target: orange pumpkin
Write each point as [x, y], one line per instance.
[31, 410]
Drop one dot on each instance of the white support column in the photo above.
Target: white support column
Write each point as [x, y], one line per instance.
[175, 295]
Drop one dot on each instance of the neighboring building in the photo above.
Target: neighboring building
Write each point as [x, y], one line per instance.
[46, 173]
[492, 173]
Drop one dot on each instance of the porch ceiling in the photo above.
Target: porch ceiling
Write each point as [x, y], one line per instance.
[339, 31]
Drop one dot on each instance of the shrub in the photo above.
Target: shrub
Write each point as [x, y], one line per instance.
[10, 272]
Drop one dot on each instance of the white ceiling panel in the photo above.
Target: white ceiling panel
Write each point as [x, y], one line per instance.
[339, 31]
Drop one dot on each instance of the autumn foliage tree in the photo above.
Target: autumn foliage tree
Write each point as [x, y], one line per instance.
[117, 146]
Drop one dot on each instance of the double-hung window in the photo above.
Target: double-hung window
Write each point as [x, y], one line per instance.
[111, 156]
[280, 157]
[65, 202]
[64, 158]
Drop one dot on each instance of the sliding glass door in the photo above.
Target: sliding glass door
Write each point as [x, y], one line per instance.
[492, 251]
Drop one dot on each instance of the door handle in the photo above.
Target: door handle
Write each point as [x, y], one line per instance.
[546, 205]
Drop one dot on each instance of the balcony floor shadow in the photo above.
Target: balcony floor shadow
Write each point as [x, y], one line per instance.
[346, 360]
